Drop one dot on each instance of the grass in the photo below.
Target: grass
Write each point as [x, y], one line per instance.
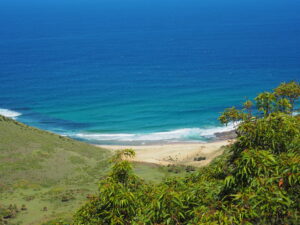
[46, 171]
[52, 175]
[155, 173]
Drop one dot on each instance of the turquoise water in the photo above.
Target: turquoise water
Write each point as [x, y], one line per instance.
[141, 71]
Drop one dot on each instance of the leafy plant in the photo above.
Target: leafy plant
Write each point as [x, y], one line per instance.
[255, 181]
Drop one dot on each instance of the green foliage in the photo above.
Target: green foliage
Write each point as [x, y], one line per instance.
[118, 200]
[274, 133]
[255, 181]
[290, 90]
[248, 107]
[284, 105]
[122, 170]
[231, 115]
[266, 102]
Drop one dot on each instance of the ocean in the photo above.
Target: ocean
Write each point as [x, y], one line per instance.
[141, 71]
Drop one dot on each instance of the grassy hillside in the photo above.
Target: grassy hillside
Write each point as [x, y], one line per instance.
[35, 157]
[49, 174]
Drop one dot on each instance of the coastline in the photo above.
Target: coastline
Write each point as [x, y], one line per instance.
[161, 153]
[177, 135]
[175, 153]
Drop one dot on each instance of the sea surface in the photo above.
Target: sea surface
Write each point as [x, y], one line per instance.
[141, 71]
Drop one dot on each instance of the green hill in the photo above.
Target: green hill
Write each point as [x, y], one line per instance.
[51, 175]
[35, 157]
[45, 171]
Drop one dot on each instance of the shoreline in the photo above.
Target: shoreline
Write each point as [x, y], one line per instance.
[175, 153]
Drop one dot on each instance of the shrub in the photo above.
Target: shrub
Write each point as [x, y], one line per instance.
[199, 158]
[255, 181]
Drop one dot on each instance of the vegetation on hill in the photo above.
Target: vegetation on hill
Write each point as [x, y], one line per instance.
[37, 157]
[44, 176]
[256, 181]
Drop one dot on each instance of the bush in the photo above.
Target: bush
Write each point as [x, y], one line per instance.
[255, 181]
[199, 158]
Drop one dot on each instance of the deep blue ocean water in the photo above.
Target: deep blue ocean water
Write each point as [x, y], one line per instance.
[127, 71]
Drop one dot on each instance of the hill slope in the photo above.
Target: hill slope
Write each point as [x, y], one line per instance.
[52, 175]
[42, 169]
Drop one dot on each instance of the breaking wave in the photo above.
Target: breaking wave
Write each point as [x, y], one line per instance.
[9, 113]
[186, 134]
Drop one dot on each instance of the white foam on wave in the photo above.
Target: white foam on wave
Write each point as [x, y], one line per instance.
[9, 113]
[186, 134]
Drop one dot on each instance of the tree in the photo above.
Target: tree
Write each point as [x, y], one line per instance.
[284, 105]
[248, 107]
[231, 115]
[290, 90]
[265, 102]
[119, 197]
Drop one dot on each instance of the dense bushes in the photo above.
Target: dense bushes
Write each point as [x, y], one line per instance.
[255, 181]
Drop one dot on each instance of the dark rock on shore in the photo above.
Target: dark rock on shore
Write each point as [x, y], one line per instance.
[226, 135]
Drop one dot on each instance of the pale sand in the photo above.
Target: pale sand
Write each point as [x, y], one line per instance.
[183, 153]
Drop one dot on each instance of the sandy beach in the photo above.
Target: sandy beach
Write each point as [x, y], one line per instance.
[179, 153]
